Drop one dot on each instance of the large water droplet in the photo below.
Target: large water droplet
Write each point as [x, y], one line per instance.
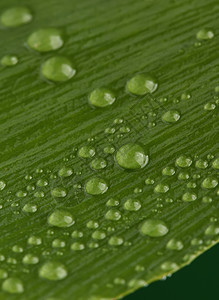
[58, 192]
[201, 164]
[171, 116]
[61, 218]
[142, 84]
[16, 16]
[13, 285]
[96, 186]
[58, 68]
[101, 97]
[53, 271]
[45, 40]
[154, 228]
[131, 156]
[212, 229]
[113, 214]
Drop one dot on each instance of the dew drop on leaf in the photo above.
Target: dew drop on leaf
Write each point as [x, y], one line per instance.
[142, 84]
[154, 228]
[16, 16]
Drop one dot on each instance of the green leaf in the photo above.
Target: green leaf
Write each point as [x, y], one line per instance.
[108, 178]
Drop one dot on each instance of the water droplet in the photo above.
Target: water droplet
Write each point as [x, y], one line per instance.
[189, 197]
[201, 164]
[139, 268]
[13, 285]
[109, 150]
[9, 60]
[215, 165]
[171, 116]
[39, 194]
[92, 224]
[58, 192]
[132, 205]
[137, 283]
[209, 106]
[115, 241]
[93, 245]
[112, 202]
[149, 181]
[113, 215]
[154, 228]
[57, 243]
[30, 259]
[77, 234]
[175, 244]
[16, 16]
[58, 68]
[17, 249]
[98, 235]
[61, 218]
[21, 194]
[169, 266]
[65, 172]
[98, 163]
[2, 185]
[191, 185]
[183, 176]
[185, 96]
[119, 281]
[77, 246]
[42, 182]
[205, 34]
[183, 161]
[44, 40]
[101, 97]
[131, 156]
[53, 271]
[213, 229]
[34, 240]
[29, 208]
[168, 171]
[209, 183]
[142, 84]
[207, 199]
[161, 188]
[3, 274]
[196, 242]
[96, 186]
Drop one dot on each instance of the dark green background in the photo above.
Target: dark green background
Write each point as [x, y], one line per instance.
[199, 280]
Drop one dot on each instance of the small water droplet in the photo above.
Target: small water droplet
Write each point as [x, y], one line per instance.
[183, 161]
[58, 192]
[3, 274]
[189, 197]
[98, 235]
[209, 106]
[2, 185]
[131, 156]
[29, 208]
[57, 243]
[201, 164]
[196, 242]
[77, 234]
[113, 214]
[169, 266]
[212, 229]
[13, 285]
[171, 116]
[61, 218]
[9, 60]
[21, 194]
[98, 163]
[142, 84]
[16, 16]
[34, 240]
[96, 186]
[215, 164]
[209, 183]
[58, 69]
[101, 97]
[205, 34]
[17, 249]
[53, 271]
[92, 224]
[112, 202]
[175, 244]
[132, 205]
[86, 152]
[168, 171]
[44, 40]
[154, 228]
[77, 246]
[115, 241]
[149, 181]
[207, 199]
[30, 259]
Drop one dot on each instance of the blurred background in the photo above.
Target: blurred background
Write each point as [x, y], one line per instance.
[199, 280]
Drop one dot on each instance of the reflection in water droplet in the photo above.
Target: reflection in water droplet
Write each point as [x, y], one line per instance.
[101, 97]
[61, 218]
[131, 156]
[16, 16]
[44, 40]
[53, 271]
[13, 285]
[96, 186]
[154, 228]
[58, 68]
[142, 84]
